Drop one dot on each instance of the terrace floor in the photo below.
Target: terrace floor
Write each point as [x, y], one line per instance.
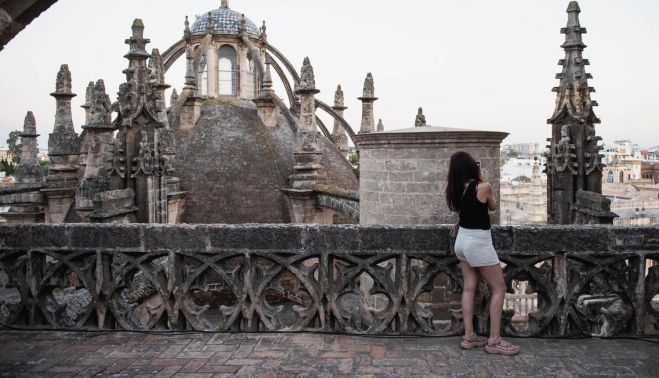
[66, 354]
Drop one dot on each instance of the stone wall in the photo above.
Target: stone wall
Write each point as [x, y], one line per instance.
[588, 279]
[403, 175]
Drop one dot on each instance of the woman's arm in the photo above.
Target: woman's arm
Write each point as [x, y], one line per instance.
[485, 195]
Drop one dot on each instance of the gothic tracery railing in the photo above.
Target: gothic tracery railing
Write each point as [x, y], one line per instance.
[351, 279]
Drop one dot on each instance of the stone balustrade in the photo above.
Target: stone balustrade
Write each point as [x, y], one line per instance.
[350, 279]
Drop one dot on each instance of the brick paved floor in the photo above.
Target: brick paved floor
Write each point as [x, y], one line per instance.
[33, 354]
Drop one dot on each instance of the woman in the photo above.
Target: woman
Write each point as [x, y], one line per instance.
[469, 194]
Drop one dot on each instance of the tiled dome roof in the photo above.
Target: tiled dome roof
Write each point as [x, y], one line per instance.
[225, 21]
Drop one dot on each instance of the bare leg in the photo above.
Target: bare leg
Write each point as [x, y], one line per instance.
[470, 277]
[494, 277]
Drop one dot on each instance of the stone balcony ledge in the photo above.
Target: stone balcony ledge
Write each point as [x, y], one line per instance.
[354, 279]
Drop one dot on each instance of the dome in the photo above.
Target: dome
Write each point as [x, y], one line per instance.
[225, 21]
[234, 167]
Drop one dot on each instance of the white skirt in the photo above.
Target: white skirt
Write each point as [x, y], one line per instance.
[475, 247]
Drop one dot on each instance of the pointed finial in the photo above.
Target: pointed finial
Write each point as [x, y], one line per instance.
[339, 101]
[380, 125]
[209, 22]
[307, 78]
[174, 97]
[101, 106]
[573, 7]
[242, 23]
[186, 31]
[63, 83]
[30, 124]
[264, 35]
[369, 87]
[157, 75]
[224, 4]
[138, 28]
[420, 120]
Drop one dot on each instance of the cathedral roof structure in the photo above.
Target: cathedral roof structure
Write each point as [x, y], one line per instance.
[223, 20]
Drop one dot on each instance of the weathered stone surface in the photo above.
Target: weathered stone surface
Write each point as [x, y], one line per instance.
[403, 172]
[319, 277]
[574, 163]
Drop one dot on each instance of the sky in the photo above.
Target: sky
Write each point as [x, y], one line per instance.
[474, 64]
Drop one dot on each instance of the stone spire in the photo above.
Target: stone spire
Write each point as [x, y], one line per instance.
[307, 153]
[266, 83]
[190, 77]
[98, 149]
[573, 92]
[186, 31]
[209, 23]
[157, 81]
[173, 98]
[265, 105]
[28, 170]
[338, 133]
[420, 120]
[575, 162]
[380, 125]
[243, 23]
[264, 34]
[367, 99]
[306, 89]
[63, 143]
[88, 98]
[141, 166]
[135, 95]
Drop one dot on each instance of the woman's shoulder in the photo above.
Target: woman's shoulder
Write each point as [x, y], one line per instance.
[484, 186]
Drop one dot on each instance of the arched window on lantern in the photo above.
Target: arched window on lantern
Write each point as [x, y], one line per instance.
[609, 177]
[203, 76]
[228, 74]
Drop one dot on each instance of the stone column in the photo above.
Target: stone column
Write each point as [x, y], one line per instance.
[266, 107]
[88, 98]
[307, 153]
[212, 61]
[28, 170]
[23, 199]
[64, 152]
[191, 109]
[367, 99]
[338, 134]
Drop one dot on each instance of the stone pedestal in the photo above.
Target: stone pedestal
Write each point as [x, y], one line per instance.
[403, 172]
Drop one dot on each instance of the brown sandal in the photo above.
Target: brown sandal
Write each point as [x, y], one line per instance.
[502, 347]
[473, 342]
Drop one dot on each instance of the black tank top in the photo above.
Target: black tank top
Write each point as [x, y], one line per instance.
[473, 213]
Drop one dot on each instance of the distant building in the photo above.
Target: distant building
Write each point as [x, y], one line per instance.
[523, 149]
[524, 196]
[650, 171]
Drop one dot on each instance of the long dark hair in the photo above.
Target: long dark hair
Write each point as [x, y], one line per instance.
[462, 169]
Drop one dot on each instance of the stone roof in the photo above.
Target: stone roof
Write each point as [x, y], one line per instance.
[234, 167]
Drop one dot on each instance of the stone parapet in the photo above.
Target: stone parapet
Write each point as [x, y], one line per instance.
[589, 279]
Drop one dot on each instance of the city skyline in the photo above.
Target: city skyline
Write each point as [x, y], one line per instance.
[475, 66]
